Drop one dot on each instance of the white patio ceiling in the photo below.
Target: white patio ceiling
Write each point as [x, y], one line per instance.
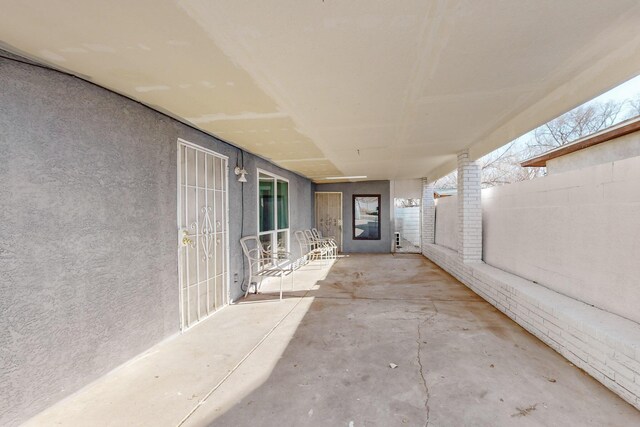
[386, 89]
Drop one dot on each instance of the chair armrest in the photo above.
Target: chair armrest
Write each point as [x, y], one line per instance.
[282, 255]
[276, 258]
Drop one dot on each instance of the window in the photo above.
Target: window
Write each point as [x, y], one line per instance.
[366, 217]
[273, 211]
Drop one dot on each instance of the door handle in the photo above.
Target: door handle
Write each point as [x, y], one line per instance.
[185, 238]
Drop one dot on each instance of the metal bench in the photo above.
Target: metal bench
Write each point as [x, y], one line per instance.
[265, 263]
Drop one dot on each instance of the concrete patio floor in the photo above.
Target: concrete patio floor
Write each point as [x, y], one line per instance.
[322, 357]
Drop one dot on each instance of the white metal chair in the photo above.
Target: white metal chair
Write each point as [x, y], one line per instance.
[264, 263]
[308, 248]
[319, 247]
[305, 246]
[330, 241]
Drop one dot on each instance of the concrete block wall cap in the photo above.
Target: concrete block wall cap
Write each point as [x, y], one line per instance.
[632, 364]
[565, 324]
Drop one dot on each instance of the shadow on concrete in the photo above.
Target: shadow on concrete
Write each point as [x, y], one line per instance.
[392, 341]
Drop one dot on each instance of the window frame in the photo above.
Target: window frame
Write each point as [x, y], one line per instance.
[353, 217]
[274, 233]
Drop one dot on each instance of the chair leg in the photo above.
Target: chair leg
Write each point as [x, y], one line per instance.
[259, 284]
[248, 287]
[281, 280]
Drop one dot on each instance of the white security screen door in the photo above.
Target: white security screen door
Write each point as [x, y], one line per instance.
[202, 235]
[329, 215]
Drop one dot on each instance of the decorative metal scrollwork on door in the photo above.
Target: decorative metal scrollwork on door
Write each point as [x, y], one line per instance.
[202, 233]
[326, 223]
[207, 232]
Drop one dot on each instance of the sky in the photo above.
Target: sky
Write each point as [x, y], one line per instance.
[622, 92]
[626, 90]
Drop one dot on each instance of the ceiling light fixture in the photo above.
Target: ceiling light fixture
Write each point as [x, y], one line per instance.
[347, 177]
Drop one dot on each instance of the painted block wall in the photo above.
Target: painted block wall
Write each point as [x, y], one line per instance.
[447, 222]
[620, 148]
[577, 233]
[88, 232]
[407, 220]
[348, 189]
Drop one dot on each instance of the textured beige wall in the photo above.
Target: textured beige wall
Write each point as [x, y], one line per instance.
[617, 149]
[577, 233]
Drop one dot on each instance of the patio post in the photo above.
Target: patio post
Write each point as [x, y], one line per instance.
[469, 209]
[428, 213]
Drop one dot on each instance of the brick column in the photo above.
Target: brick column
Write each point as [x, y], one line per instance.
[428, 213]
[469, 209]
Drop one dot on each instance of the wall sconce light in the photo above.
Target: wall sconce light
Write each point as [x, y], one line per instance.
[242, 172]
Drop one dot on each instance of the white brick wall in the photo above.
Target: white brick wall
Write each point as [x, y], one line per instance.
[469, 209]
[428, 213]
[575, 232]
[447, 222]
[605, 345]
[407, 221]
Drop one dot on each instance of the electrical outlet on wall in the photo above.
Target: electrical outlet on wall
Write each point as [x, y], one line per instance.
[235, 277]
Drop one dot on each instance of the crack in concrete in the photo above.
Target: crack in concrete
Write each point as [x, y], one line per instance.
[424, 380]
[419, 359]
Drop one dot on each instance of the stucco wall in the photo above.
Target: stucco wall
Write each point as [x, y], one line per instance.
[447, 222]
[369, 187]
[575, 232]
[617, 149]
[88, 231]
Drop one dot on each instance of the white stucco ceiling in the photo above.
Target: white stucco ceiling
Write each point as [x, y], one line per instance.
[386, 89]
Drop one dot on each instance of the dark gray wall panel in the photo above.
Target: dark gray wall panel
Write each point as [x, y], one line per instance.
[88, 233]
[368, 187]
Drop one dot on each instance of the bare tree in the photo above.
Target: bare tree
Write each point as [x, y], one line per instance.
[575, 124]
[634, 106]
[447, 182]
[502, 166]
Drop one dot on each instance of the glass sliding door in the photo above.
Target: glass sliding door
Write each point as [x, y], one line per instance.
[273, 212]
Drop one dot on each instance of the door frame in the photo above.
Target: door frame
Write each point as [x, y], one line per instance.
[227, 250]
[315, 209]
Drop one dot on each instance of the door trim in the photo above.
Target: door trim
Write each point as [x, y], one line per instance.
[227, 250]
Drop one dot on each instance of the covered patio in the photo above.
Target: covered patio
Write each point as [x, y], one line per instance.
[373, 340]
[141, 142]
